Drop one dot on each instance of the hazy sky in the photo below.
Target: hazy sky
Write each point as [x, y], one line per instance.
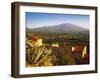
[34, 20]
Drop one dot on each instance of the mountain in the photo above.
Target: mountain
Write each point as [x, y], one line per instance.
[61, 28]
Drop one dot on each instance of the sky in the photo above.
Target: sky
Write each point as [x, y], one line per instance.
[35, 20]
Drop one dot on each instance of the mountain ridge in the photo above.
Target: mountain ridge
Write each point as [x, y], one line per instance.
[60, 28]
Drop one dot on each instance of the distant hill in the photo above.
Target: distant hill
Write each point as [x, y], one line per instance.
[61, 28]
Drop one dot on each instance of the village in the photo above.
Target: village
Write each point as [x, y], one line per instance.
[39, 53]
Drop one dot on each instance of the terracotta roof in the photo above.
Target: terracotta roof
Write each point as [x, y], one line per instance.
[78, 48]
[35, 38]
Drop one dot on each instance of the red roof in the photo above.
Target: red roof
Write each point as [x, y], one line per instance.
[36, 38]
[78, 48]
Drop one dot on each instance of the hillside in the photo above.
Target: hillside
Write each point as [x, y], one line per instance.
[61, 28]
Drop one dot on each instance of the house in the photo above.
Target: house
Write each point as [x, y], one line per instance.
[79, 50]
[34, 41]
[37, 41]
[80, 54]
[55, 44]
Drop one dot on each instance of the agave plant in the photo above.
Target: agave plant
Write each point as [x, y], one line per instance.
[38, 55]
